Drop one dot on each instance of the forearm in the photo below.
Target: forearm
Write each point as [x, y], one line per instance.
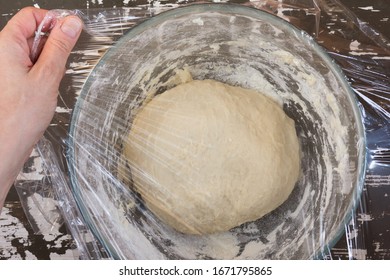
[13, 153]
[6, 182]
[10, 167]
[8, 174]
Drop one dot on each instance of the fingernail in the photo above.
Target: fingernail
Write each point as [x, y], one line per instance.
[71, 27]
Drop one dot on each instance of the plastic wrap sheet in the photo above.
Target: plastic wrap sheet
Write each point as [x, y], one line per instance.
[81, 156]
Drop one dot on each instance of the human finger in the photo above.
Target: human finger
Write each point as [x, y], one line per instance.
[51, 63]
[26, 21]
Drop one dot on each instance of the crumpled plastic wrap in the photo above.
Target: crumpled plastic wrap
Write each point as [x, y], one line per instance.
[343, 131]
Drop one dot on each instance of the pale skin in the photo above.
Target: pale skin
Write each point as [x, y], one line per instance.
[28, 91]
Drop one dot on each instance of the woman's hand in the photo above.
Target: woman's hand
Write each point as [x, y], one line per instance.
[28, 91]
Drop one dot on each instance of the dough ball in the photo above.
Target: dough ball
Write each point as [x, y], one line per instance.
[207, 157]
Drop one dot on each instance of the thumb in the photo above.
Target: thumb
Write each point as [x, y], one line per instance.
[51, 63]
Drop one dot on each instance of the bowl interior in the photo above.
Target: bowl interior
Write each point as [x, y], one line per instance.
[239, 46]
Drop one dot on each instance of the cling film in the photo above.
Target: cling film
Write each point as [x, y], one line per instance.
[127, 56]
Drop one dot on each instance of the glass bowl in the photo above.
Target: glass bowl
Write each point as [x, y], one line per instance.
[239, 46]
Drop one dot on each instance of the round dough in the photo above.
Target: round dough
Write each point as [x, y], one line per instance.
[207, 157]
